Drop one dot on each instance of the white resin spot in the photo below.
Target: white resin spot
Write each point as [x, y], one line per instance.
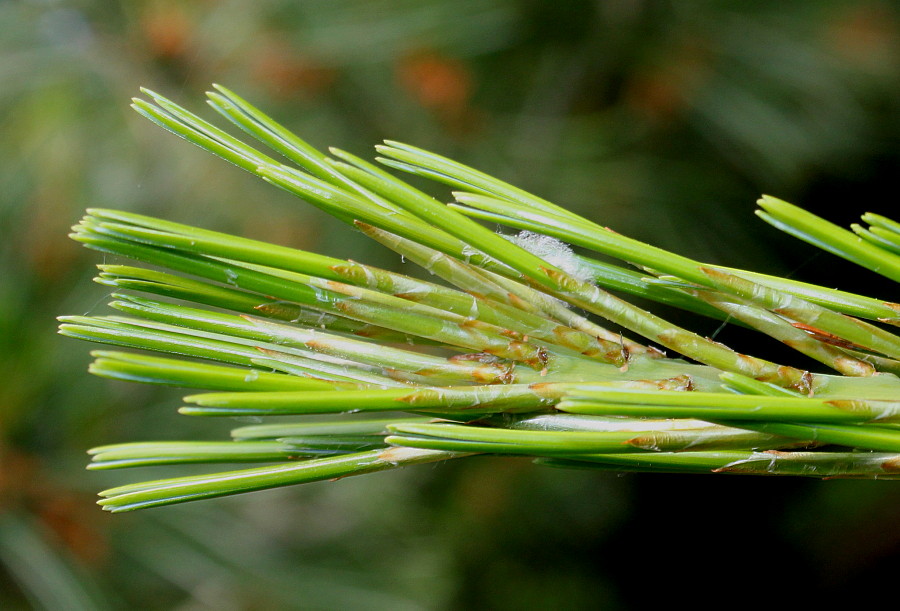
[553, 251]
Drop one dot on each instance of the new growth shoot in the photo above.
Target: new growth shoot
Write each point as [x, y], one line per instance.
[518, 347]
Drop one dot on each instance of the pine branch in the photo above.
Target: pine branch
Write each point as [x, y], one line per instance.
[498, 362]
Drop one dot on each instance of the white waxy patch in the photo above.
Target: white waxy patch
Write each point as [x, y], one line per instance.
[553, 251]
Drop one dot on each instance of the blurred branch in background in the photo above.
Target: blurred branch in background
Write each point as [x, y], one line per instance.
[640, 115]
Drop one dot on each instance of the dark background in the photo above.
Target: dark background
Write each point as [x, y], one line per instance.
[663, 120]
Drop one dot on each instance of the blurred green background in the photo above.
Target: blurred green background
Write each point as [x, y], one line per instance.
[663, 120]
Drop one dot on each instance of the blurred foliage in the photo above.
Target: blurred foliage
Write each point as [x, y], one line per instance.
[661, 119]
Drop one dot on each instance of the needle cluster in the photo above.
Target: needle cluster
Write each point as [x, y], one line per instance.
[525, 349]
